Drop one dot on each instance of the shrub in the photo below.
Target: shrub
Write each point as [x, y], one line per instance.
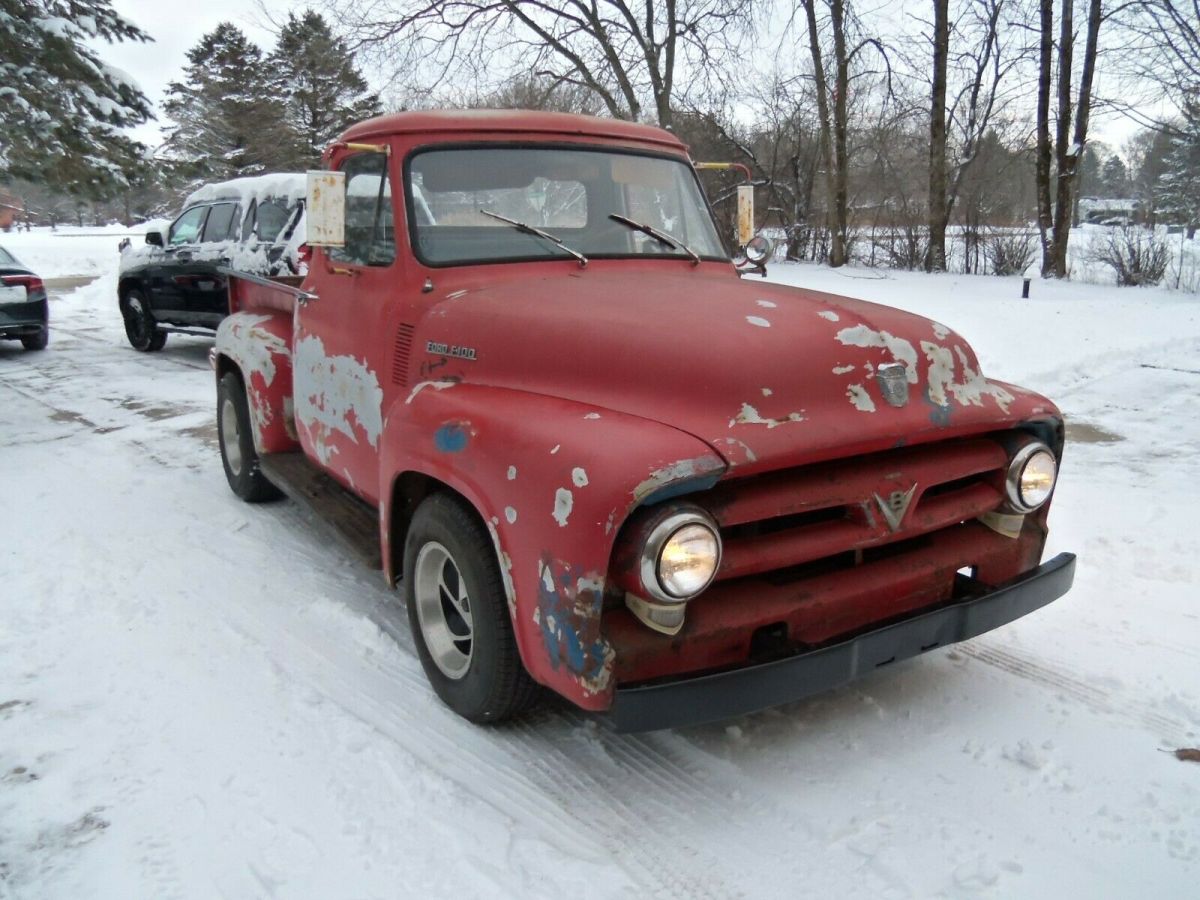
[1011, 252]
[1138, 257]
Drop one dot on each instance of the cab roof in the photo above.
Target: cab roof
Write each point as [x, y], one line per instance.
[510, 122]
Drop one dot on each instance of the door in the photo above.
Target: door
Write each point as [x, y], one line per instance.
[204, 286]
[168, 296]
[340, 349]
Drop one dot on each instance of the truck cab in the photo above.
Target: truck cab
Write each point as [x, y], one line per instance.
[524, 379]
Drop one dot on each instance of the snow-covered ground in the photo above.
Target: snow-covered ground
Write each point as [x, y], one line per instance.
[200, 698]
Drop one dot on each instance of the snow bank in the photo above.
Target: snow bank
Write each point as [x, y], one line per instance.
[70, 250]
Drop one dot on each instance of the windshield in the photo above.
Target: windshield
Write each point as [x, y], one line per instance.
[571, 194]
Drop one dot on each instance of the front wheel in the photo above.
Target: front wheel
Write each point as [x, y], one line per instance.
[140, 325]
[459, 616]
[237, 444]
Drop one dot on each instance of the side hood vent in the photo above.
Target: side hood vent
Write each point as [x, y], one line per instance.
[401, 354]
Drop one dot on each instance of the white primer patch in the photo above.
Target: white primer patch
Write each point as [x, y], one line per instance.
[973, 387]
[767, 392]
[329, 389]
[510, 514]
[759, 321]
[860, 399]
[563, 502]
[254, 349]
[512, 473]
[830, 315]
[940, 331]
[765, 304]
[592, 415]
[901, 350]
[555, 449]
[579, 477]
[842, 370]
[436, 385]
[750, 416]
[734, 442]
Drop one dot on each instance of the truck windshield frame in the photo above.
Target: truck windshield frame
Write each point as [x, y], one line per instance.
[592, 181]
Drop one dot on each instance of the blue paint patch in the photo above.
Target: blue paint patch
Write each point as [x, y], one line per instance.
[569, 622]
[679, 488]
[451, 438]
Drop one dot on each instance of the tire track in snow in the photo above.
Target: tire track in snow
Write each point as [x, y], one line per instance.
[1040, 672]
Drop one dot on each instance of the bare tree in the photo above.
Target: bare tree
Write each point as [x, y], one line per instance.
[629, 53]
[939, 213]
[833, 70]
[1161, 62]
[1055, 204]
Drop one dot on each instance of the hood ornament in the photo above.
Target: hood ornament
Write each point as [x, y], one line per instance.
[893, 383]
[895, 506]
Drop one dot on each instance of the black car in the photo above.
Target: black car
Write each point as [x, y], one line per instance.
[24, 312]
[173, 284]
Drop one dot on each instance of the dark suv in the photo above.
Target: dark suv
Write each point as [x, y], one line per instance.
[24, 313]
[173, 283]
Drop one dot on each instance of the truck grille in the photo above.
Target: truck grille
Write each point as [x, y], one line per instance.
[779, 525]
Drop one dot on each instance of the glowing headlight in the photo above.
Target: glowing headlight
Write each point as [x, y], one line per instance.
[1031, 476]
[681, 557]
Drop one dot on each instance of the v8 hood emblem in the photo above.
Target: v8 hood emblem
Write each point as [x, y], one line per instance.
[895, 506]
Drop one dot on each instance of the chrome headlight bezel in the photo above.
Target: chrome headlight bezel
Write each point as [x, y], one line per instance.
[1016, 470]
[652, 551]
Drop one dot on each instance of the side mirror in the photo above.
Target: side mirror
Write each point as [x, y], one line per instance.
[155, 237]
[753, 255]
[325, 210]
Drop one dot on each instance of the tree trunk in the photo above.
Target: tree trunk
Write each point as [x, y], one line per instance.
[836, 256]
[935, 254]
[841, 198]
[1045, 60]
[1069, 156]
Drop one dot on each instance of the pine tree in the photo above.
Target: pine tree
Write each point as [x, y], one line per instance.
[1178, 191]
[61, 108]
[1115, 177]
[321, 89]
[226, 123]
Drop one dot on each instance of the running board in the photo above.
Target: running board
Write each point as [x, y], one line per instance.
[349, 519]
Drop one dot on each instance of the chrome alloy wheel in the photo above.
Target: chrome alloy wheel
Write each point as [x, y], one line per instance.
[443, 610]
[229, 436]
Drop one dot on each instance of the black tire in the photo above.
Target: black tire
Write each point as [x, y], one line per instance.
[238, 455]
[494, 685]
[37, 341]
[140, 325]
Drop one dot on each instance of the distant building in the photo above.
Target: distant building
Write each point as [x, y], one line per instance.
[11, 209]
[1109, 210]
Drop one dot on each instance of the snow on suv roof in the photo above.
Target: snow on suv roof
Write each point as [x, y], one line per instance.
[289, 186]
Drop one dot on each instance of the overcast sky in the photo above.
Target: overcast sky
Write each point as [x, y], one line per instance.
[179, 24]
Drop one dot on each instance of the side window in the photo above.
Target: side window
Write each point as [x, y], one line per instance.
[248, 222]
[272, 216]
[370, 219]
[222, 223]
[186, 229]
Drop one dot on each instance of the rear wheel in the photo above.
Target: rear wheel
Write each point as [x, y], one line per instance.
[37, 341]
[458, 613]
[237, 444]
[140, 326]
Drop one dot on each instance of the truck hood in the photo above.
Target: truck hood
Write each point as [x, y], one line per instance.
[767, 375]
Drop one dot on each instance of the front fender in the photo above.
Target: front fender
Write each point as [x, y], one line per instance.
[553, 480]
[259, 344]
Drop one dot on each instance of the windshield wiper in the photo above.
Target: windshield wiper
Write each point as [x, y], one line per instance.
[537, 232]
[662, 237]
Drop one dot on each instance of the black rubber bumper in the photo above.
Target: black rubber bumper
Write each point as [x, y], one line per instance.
[723, 695]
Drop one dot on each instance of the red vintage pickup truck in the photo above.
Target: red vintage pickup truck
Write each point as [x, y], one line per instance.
[525, 380]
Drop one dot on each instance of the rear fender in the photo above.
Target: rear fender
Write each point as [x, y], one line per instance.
[553, 480]
[259, 346]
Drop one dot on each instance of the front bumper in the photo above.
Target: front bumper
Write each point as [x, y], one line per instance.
[723, 695]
